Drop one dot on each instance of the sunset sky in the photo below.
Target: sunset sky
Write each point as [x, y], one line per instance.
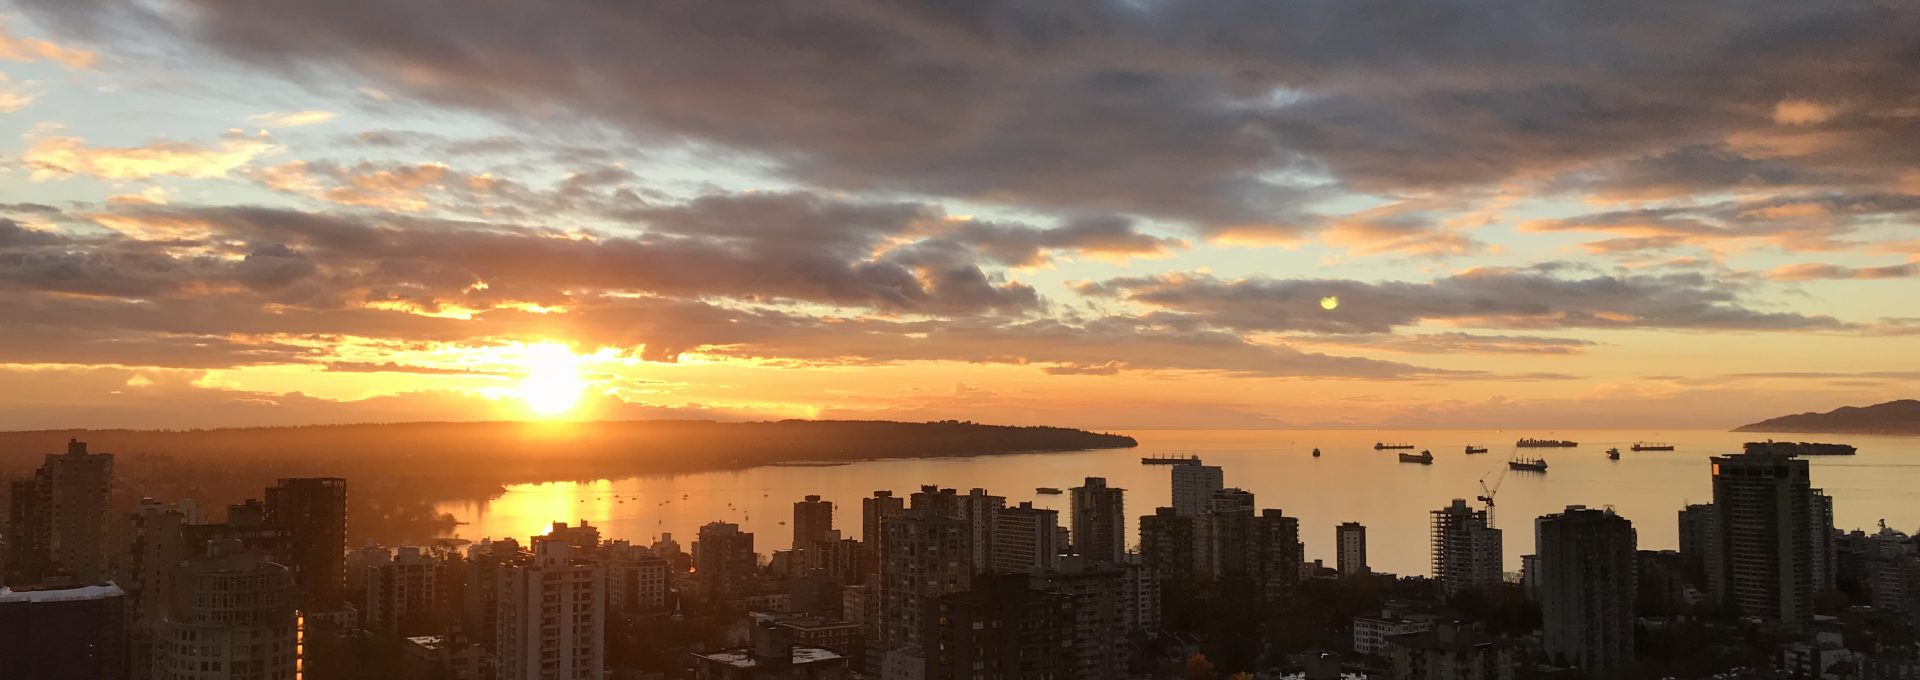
[1324, 213]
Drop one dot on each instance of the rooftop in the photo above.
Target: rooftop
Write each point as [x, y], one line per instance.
[743, 657]
[99, 592]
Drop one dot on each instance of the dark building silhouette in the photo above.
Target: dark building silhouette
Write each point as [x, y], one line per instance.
[1167, 542]
[1586, 589]
[313, 513]
[232, 611]
[924, 555]
[812, 519]
[1466, 549]
[73, 633]
[1277, 554]
[1351, 539]
[723, 560]
[1099, 521]
[58, 520]
[1228, 542]
[1025, 538]
[999, 628]
[882, 504]
[1696, 541]
[1764, 557]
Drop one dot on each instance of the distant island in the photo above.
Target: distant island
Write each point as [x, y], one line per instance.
[396, 471]
[1894, 417]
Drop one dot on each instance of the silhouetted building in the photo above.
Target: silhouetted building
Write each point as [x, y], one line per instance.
[1229, 533]
[480, 607]
[1110, 601]
[232, 618]
[636, 580]
[1586, 590]
[1025, 538]
[313, 512]
[1001, 627]
[584, 538]
[1763, 558]
[1351, 541]
[723, 560]
[1466, 551]
[552, 622]
[812, 519]
[978, 509]
[1167, 543]
[1277, 554]
[58, 520]
[1696, 540]
[402, 595]
[773, 656]
[925, 556]
[1193, 486]
[1099, 521]
[1450, 652]
[75, 633]
[881, 505]
[155, 546]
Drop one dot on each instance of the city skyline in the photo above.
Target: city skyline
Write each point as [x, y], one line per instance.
[1110, 215]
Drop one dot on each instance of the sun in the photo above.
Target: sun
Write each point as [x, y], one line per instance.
[553, 384]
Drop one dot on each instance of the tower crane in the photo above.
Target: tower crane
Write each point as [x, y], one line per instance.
[1487, 492]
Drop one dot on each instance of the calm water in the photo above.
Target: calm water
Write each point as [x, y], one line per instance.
[1350, 482]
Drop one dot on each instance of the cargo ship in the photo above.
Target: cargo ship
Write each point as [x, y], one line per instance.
[1471, 449]
[1526, 464]
[1423, 457]
[1801, 448]
[1171, 460]
[1651, 446]
[1531, 443]
[1047, 491]
[1389, 446]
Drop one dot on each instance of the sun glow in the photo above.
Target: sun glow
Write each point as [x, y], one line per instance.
[553, 384]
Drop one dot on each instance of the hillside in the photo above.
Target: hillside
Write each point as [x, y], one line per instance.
[1893, 417]
[515, 451]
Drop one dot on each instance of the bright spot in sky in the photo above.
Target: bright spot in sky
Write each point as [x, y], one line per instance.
[1330, 302]
[553, 384]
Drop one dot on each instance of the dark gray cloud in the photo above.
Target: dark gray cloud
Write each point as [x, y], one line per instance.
[1216, 112]
[741, 276]
[1537, 297]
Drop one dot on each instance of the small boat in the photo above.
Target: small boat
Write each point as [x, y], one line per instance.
[1526, 464]
[1530, 442]
[1316, 453]
[1170, 460]
[1389, 446]
[1613, 453]
[1471, 449]
[1651, 446]
[1047, 491]
[1424, 457]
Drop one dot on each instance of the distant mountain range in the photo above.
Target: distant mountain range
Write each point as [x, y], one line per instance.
[1894, 417]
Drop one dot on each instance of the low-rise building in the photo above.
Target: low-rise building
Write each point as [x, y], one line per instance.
[773, 656]
[1450, 652]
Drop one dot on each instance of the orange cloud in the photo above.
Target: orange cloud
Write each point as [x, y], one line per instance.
[13, 99]
[293, 119]
[1803, 112]
[58, 157]
[29, 49]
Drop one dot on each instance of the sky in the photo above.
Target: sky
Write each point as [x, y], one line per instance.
[1313, 213]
